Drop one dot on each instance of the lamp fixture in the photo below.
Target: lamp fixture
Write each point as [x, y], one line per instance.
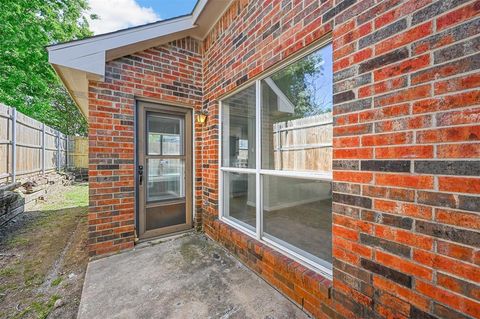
[201, 116]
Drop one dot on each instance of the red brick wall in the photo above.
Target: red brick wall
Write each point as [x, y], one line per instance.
[238, 49]
[406, 149]
[170, 73]
[407, 143]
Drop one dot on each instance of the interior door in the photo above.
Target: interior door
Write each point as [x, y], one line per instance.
[164, 172]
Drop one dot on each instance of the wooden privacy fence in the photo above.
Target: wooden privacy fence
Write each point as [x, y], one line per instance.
[29, 147]
[77, 152]
[304, 144]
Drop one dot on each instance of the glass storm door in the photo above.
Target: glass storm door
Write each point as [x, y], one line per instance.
[164, 172]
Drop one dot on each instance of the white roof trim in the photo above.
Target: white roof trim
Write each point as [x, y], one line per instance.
[284, 103]
[90, 54]
[199, 7]
[78, 61]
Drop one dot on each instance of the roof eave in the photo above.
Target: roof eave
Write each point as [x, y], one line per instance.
[78, 61]
[90, 54]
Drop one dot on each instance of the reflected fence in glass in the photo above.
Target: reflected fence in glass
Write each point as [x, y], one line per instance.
[165, 135]
[276, 144]
[296, 115]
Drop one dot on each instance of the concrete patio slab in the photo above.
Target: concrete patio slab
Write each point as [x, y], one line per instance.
[188, 277]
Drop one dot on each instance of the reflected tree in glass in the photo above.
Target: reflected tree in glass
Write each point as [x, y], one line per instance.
[296, 105]
[307, 84]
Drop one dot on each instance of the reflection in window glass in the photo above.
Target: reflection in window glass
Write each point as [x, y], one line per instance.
[295, 107]
[239, 198]
[164, 135]
[296, 115]
[238, 129]
[297, 213]
[165, 179]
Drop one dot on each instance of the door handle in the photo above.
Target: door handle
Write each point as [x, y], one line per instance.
[140, 174]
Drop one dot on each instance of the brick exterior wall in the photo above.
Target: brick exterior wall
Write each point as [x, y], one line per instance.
[170, 73]
[406, 147]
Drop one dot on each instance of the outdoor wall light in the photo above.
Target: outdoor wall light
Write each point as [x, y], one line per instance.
[201, 116]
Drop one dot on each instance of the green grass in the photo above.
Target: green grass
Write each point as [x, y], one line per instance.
[31, 278]
[77, 196]
[56, 281]
[7, 272]
[41, 309]
[40, 241]
[17, 241]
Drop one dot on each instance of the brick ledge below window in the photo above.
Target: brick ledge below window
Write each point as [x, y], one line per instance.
[307, 288]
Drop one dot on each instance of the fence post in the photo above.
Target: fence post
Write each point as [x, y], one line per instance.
[14, 145]
[66, 152]
[58, 151]
[43, 149]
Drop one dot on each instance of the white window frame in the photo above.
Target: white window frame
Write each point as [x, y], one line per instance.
[326, 176]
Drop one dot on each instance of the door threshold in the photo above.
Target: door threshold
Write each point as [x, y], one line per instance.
[146, 242]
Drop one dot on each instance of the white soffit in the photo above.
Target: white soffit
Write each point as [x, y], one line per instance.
[78, 61]
[90, 54]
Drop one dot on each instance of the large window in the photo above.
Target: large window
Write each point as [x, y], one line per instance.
[276, 159]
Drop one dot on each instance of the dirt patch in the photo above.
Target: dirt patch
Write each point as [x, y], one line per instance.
[43, 257]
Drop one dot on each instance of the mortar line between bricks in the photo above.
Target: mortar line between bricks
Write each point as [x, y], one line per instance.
[421, 129]
[413, 56]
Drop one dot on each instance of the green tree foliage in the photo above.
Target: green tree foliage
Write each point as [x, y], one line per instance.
[27, 81]
[304, 84]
